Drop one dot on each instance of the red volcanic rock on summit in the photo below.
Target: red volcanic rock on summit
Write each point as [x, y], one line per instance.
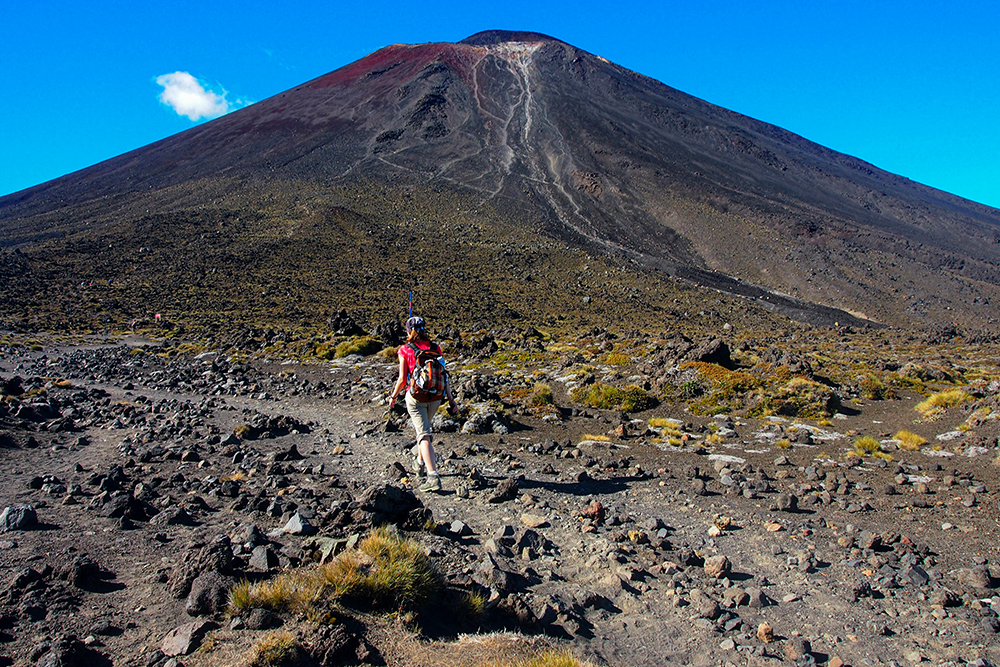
[587, 153]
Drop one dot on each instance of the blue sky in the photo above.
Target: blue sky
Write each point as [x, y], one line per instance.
[912, 87]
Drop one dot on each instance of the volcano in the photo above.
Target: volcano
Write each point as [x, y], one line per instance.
[537, 177]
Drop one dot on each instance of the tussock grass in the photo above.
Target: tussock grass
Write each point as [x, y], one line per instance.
[384, 570]
[553, 659]
[541, 394]
[616, 359]
[942, 399]
[606, 397]
[800, 398]
[363, 345]
[874, 389]
[470, 606]
[909, 441]
[866, 445]
[598, 438]
[275, 650]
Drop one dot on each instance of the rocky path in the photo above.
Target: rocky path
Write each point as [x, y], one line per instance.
[155, 481]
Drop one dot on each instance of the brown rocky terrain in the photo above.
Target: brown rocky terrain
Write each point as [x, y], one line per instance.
[157, 478]
[728, 397]
[505, 156]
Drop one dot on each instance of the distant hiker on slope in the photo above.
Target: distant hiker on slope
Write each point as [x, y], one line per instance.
[422, 372]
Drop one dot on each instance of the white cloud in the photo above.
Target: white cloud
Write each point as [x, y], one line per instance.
[189, 97]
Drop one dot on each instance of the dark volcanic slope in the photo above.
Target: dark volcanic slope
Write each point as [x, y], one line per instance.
[569, 145]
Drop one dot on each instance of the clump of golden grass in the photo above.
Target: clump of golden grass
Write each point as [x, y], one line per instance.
[942, 399]
[784, 443]
[866, 445]
[874, 389]
[553, 659]
[541, 394]
[383, 570]
[909, 441]
[598, 438]
[274, 650]
[616, 359]
[363, 345]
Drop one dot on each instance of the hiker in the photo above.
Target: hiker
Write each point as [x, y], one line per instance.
[417, 357]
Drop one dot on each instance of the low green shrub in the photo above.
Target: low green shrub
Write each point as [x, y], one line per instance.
[631, 398]
[363, 345]
[541, 395]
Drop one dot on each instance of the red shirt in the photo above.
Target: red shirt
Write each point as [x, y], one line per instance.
[406, 353]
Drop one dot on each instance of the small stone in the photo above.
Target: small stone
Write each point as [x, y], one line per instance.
[184, 639]
[797, 648]
[534, 520]
[727, 644]
[506, 490]
[786, 502]
[18, 517]
[298, 525]
[976, 577]
[717, 566]
[459, 528]
[835, 661]
[260, 619]
[209, 594]
[262, 559]
[765, 632]
[757, 598]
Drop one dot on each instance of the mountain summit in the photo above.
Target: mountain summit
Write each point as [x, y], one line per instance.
[514, 142]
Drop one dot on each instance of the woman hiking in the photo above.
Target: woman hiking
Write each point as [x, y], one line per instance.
[424, 392]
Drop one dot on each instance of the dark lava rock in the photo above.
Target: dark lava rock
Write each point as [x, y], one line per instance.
[261, 619]
[12, 387]
[390, 332]
[68, 651]
[388, 503]
[209, 594]
[489, 574]
[185, 639]
[263, 559]
[83, 572]
[506, 490]
[786, 502]
[976, 578]
[714, 351]
[173, 516]
[18, 517]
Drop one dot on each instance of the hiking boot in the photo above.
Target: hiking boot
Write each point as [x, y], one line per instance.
[433, 483]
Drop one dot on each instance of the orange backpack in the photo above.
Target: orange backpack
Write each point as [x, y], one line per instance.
[428, 379]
